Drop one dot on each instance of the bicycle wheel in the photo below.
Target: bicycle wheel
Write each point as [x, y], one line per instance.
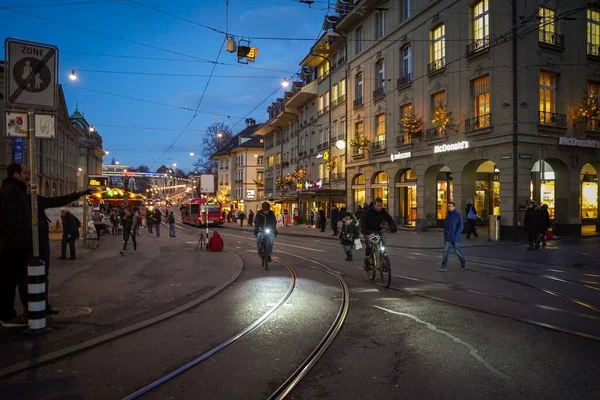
[372, 272]
[385, 270]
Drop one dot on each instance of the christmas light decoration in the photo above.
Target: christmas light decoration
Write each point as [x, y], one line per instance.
[411, 124]
[289, 180]
[299, 174]
[588, 107]
[279, 183]
[360, 141]
[331, 164]
[441, 118]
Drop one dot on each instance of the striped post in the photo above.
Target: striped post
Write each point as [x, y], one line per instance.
[36, 289]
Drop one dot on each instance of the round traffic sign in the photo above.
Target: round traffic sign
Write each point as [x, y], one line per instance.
[32, 75]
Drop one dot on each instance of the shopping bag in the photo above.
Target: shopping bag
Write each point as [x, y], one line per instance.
[357, 244]
[549, 235]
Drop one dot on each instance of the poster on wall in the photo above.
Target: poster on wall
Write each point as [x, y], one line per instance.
[18, 150]
[16, 124]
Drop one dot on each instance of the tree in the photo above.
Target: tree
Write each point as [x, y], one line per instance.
[143, 168]
[179, 173]
[216, 138]
[143, 182]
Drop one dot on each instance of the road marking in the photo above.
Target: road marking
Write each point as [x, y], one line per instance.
[472, 350]
[278, 243]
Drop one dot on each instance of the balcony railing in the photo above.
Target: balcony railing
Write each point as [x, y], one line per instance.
[436, 65]
[403, 139]
[481, 121]
[593, 125]
[358, 151]
[435, 133]
[358, 102]
[379, 93]
[552, 38]
[377, 146]
[478, 45]
[593, 50]
[405, 80]
[553, 119]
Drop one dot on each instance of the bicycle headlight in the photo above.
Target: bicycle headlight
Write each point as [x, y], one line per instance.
[267, 230]
[382, 248]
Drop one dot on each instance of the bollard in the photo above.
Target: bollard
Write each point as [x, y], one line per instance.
[36, 296]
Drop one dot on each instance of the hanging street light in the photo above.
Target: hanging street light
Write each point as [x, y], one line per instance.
[285, 83]
[73, 75]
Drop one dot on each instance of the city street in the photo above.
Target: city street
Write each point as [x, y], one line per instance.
[501, 329]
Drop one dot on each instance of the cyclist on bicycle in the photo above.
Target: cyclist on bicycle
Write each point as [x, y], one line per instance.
[370, 222]
[265, 224]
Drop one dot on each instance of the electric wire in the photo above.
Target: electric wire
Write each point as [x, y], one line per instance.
[73, 3]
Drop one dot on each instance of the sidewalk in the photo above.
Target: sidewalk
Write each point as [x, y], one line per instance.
[408, 239]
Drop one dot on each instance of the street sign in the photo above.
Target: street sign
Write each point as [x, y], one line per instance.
[45, 126]
[16, 124]
[525, 156]
[207, 184]
[31, 78]
[97, 181]
[505, 157]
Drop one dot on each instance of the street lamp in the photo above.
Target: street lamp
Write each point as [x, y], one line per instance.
[191, 154]
[340, 144]
[73, 75]
[285, 83]
[92, 129]
[106, 152]
[117, 162]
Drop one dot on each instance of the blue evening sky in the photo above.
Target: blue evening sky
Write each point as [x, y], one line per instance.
[137, 132]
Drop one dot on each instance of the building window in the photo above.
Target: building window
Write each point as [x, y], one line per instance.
[379, 131]
[438, 99]
[405, 137]
[379, 74]
[593, 32]
[358, 37]
[406, 9]
[320, 109]
[481, 104]
[358, 90]
[547, 25]
[342, 91]
[438, 48]
[342, 134]
[379, 24]
[260, 160]
[334, 94]
[323, 70]
[326, 102]
[406, 73]
[481, 25]
[270, 162]
[547, 97]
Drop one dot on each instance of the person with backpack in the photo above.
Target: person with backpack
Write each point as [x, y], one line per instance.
[171, 219]
[15, 243]
[71, 226]
[471, 214]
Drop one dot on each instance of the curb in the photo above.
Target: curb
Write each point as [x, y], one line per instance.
[88, 344]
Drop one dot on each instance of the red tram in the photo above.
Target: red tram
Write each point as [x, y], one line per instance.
[193, 212]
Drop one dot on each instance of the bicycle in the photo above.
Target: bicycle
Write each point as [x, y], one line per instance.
[380, 261]
[263, 250]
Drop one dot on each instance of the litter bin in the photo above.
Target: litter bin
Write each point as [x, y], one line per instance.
[494, 228]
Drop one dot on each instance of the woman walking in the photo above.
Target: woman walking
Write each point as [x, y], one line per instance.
[129, 230]
[471, 214]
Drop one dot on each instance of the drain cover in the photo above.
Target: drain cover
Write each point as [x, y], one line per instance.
[72, 312]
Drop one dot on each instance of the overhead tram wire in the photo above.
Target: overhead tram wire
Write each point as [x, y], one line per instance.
[99, 71]
[72, 3]
[197, 107]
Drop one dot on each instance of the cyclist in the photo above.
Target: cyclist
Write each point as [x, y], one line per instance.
[265, 219]
[370, 222]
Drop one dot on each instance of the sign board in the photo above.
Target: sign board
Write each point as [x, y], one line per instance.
[45, 126]
[400, 156]
[207, 184]
[592, 144]
[451, 147]
[31, 78]
[525, 156]
[505, 157]
[98, 181]
[250, 194]
[18, 150]
[16, 124]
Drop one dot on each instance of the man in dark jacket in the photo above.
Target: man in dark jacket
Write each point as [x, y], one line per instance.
[70, 234]
[265, 225]
[335, 217]
[371, 220]
[533, 224]
[453, 227]
[15, 242]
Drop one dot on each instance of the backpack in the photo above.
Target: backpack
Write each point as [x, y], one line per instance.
[471, 214]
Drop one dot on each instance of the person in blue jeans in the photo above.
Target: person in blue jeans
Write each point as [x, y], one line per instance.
[171, 219]
[453, 227]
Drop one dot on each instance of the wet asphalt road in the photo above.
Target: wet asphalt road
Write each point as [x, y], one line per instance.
[394, 343]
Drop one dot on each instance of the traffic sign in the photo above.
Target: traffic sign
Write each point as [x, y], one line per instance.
[45, 126]
[98, 181]
[16, 124]
[31, 78]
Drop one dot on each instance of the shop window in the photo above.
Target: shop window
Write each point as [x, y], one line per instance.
[359, 190]
[407, 197]
[589, 195]
[542, 186]
[380, 187]
[444, 192]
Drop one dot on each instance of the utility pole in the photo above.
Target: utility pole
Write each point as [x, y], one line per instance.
[515, 127]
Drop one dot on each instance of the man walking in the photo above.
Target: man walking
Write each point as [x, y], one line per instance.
[453, 227]
[129, 223]
[15, 242]
[70, 234]
[171, 220]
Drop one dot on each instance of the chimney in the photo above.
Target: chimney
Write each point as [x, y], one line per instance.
[250, 122]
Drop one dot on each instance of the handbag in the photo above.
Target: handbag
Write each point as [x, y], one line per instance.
[357, 244]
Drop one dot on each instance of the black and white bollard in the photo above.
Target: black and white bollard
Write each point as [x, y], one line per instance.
[36, 296]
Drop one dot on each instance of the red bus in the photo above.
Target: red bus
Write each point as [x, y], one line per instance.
[193, 212]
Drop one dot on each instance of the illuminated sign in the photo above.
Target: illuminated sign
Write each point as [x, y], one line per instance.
[97, 181]
[401, 156]
[320, 155]
[565, 141]
[451, 147]
[250, 194]
[247, 52]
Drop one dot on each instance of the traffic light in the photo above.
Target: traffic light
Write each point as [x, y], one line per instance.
[246, 53]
